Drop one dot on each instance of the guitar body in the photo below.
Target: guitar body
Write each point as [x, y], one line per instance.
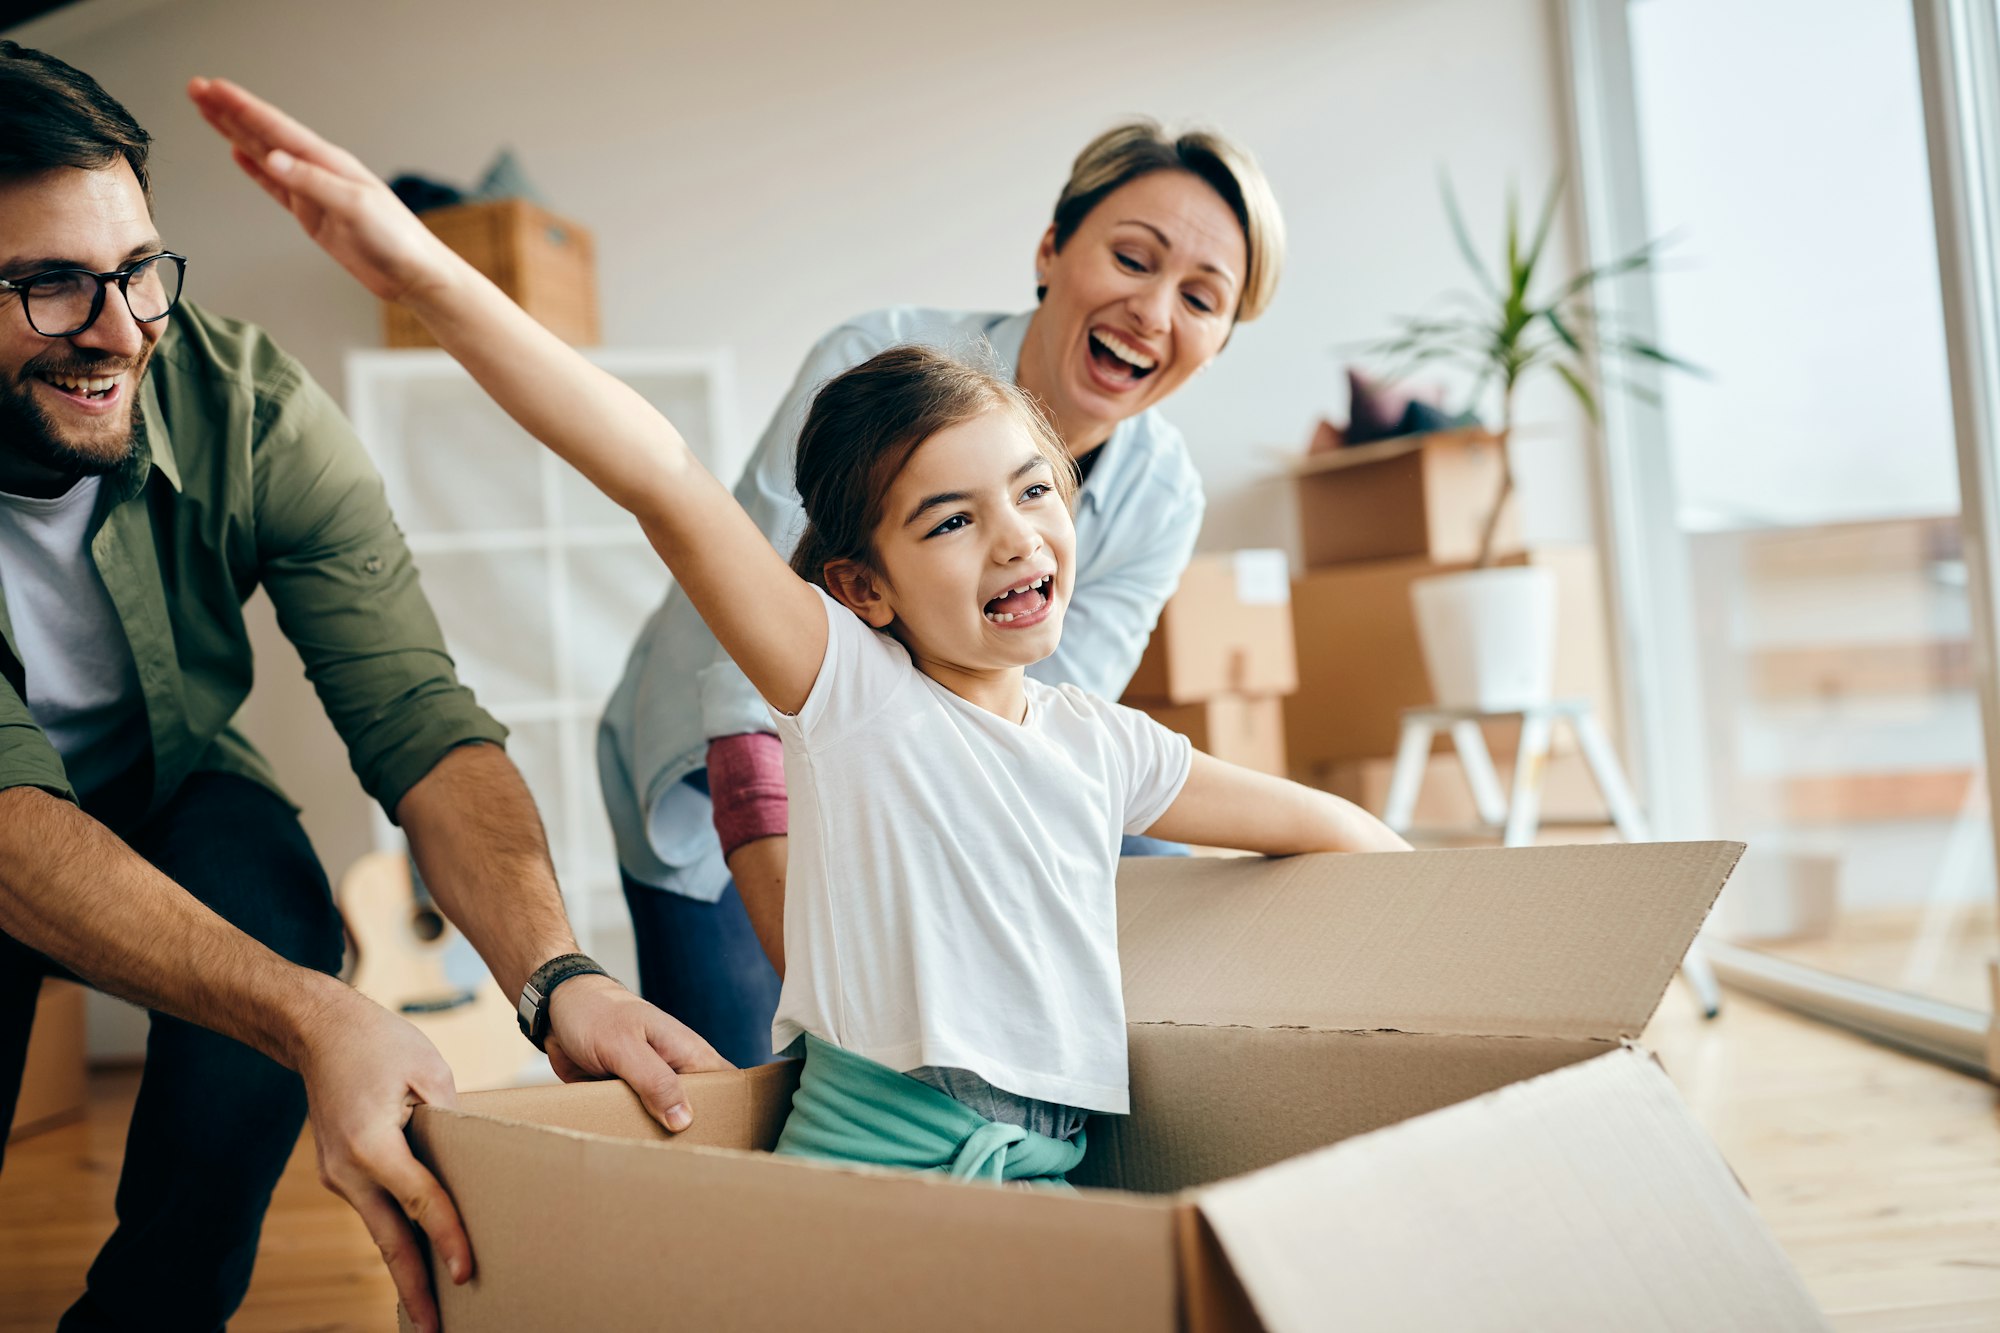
[399, 945]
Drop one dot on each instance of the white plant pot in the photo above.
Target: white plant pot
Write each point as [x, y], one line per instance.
[1488, 636]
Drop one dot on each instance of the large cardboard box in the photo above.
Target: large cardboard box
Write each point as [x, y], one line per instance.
[1416, 495]
[1387, 1092]
[548, 264]
[1226, 630]
[1360, 664]
[54, 1078]
[1233, 728]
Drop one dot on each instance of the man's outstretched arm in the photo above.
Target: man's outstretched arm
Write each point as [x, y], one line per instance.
[73, 891]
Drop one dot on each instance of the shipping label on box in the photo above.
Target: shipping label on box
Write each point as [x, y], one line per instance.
[1226, 630]
[1390, 1091]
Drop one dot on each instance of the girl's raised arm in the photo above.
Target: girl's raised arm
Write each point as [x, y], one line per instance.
[766, 618]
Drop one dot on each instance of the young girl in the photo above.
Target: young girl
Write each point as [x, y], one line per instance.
[951, 924]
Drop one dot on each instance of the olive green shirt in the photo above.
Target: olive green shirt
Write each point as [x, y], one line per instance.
[246, 476]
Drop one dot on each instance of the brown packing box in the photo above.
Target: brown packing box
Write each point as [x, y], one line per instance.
[1415, 495]
[548, 264]
[1360, 665]
[54, 1079]
[1240, 730]
[1226, 630]
[1388, 1092]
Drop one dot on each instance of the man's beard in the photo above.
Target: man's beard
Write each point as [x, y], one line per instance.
[28, 430]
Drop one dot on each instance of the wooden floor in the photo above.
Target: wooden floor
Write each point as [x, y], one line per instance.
[1892, 947]
[1879, 1174]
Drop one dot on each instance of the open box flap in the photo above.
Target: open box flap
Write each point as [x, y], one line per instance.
[1585, 1198]
[1532, 941]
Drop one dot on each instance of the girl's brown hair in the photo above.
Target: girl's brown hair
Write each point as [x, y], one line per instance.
[864, 425]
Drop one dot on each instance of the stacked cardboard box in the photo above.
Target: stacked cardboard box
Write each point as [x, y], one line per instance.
[548, 264]
[1377, 1092]
[1374, 520]
[1221, 659]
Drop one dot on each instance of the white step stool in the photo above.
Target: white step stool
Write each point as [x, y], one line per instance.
[1516, 815]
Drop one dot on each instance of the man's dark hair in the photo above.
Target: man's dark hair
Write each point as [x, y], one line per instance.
[53, 115]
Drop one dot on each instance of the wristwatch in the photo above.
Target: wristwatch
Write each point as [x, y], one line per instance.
[533, 1010]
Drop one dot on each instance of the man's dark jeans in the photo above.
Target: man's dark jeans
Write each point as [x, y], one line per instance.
[215, 1121]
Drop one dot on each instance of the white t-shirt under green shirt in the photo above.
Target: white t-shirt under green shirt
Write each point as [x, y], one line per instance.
[952, 882]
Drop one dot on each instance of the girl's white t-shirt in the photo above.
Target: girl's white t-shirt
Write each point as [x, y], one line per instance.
[952, 881]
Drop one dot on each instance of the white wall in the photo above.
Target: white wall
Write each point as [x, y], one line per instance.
[756, 172]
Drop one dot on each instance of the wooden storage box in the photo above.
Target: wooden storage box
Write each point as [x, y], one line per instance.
[1226, 630]
[54, 1083]
[546, 263]
[1414, 496]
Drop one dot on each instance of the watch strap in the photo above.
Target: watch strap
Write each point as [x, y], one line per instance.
[533, 1008]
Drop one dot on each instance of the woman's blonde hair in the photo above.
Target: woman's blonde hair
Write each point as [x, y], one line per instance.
[1124, 153]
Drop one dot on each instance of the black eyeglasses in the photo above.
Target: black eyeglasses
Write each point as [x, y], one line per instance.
[63, 302]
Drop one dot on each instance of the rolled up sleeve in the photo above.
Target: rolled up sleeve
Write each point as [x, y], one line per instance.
[348, 597]
[26, 757]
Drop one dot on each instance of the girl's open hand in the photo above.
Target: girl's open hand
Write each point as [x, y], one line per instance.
[341, 204]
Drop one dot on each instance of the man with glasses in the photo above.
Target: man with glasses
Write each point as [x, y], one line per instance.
[157, 465]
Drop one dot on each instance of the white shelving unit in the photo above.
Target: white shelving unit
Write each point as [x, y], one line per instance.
[540, 583]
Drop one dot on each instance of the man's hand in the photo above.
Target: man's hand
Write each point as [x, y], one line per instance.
[342, 205]
[365, 1071]
[759, 871]
[598, 1029]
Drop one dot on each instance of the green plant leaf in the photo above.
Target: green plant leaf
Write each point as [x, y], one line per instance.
[1641, 258]
[1579, 388]
[1640, 348]
[1513, 238]
[1562, 332]
[1534, 255]
[1464, 237]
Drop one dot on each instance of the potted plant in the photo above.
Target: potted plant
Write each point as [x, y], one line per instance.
[1488, 633]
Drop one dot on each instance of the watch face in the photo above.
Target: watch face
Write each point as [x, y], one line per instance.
[533, 1010]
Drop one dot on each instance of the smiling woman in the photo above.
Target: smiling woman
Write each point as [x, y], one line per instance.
[1159, 244]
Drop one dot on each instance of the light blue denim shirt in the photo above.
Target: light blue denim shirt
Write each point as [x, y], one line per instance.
[1136, 521]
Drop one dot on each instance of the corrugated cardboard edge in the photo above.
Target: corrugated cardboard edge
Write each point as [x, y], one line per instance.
[1584, 1198]
[1256, 942]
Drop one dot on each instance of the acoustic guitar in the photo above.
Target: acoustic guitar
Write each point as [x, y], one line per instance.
[400, 939]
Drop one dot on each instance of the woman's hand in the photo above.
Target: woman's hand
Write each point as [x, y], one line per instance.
[341, 204]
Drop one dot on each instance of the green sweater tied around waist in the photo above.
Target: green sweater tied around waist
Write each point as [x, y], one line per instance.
[851, 1109]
